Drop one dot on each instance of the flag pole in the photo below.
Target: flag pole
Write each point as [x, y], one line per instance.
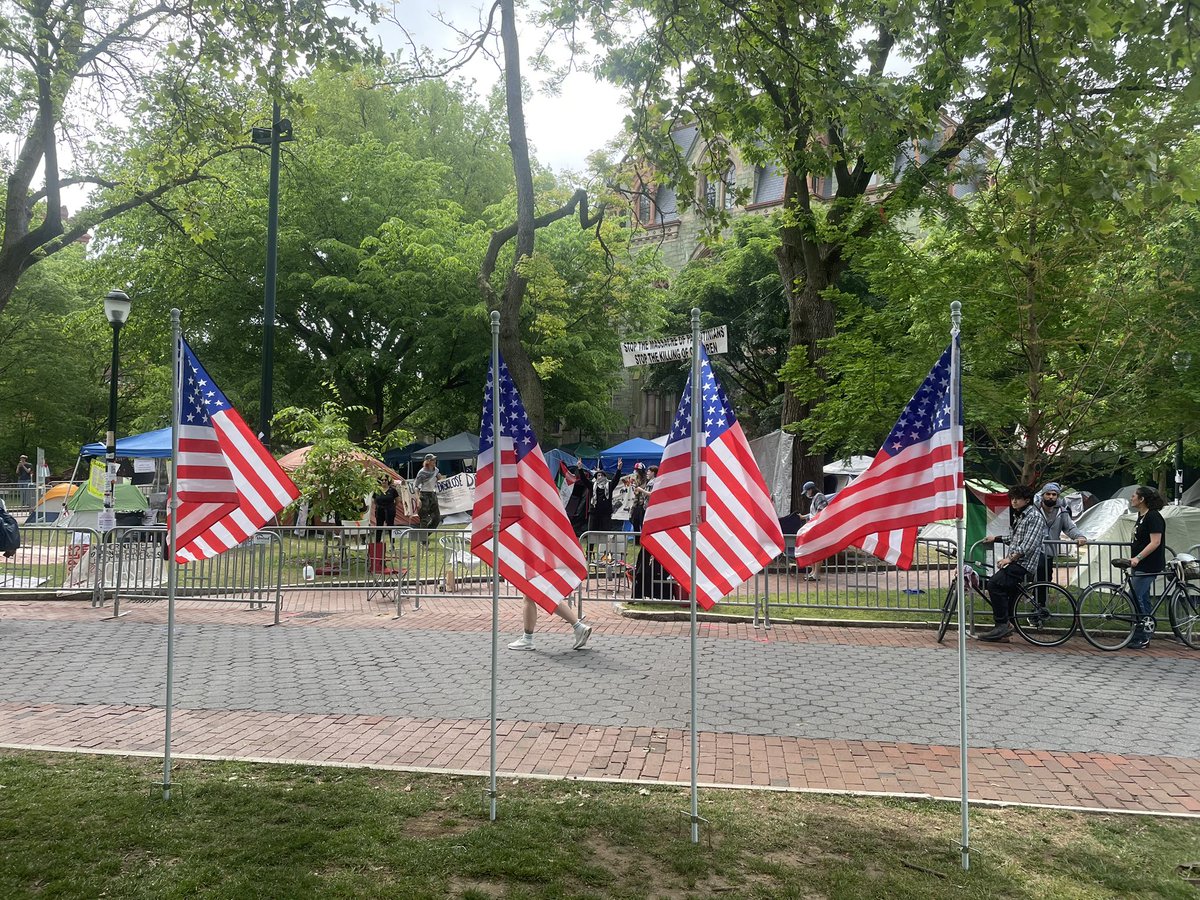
[697, 421]
[495, 388]
[173, 534]
[959, 527]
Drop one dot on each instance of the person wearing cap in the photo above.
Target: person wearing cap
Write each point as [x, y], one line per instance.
[1058, 523]
[426, 485]
[816, 502]
[25, 480]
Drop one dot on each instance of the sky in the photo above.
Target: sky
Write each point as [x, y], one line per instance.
[563, 129]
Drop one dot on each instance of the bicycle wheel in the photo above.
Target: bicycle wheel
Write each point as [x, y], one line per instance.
[1048, 622]
[1107, 615]
[949, 608]
[1185, 615]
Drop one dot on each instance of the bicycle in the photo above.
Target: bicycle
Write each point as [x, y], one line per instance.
[1108, 614]
[1043, 624]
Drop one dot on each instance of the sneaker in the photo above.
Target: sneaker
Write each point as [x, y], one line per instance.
[582, 633]
[809, 576]
[1137, 645]
[524, 642]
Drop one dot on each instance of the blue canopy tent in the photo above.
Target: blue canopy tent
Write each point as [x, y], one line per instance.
[632, 451]
[150, 445]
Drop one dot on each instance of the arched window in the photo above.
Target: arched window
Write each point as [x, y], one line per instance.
[710, 192]
[728, 186]
[643, 206]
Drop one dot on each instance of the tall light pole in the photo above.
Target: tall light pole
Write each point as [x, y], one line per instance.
[116, 310]
[1182, 361]
[280, 131]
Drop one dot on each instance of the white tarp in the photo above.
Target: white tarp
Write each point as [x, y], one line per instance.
[773, 453]
[1183, 534]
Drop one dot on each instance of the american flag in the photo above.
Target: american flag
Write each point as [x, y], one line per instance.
[228, 485]
[916, 478]
[739, 532]
[539, 554]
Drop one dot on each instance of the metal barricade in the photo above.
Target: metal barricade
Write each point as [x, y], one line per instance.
[250, 573]
[348, 562]
[55, 561]
[439, 564]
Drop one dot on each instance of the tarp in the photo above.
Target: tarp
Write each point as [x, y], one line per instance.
[582, 450]
[773, 453]
[632, 451]
[149, 445]
[463, 445]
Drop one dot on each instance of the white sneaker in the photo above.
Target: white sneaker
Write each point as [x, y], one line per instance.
[525, 642]
[582, 633]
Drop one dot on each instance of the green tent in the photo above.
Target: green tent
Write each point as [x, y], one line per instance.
[126, 498]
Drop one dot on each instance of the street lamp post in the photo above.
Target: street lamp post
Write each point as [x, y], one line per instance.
[1182, 361]
[116, 310]
[279, 132]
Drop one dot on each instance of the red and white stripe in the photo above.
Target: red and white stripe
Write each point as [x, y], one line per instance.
[738, 532]
[229, 486]
[896, 495]
[539, 554]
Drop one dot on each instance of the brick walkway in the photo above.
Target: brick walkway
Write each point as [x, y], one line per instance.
[744, 756]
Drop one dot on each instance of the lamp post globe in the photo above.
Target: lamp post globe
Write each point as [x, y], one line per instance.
[116, 310]
[1182, 361]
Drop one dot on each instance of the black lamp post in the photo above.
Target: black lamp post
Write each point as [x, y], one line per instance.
[116, 310]
[1182, 361]
[279, 132]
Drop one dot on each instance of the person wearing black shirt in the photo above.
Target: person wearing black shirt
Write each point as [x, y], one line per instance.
[1149, 555]
[385, 505]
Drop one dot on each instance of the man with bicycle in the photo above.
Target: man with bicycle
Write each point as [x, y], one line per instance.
[1024, 550]
[1149, 555]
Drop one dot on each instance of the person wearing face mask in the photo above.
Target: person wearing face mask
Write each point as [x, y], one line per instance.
[1024, 549]
[1149, 555]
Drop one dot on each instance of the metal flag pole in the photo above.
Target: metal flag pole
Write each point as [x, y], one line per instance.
[697, 422]
[959, 527]
[173, 535]
[495, 388]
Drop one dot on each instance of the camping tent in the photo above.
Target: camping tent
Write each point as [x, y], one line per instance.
[461, 447]
[84, 508]
[149, 445]
[632, 451]
[1183, 533]
[294, 460]
[49, 507]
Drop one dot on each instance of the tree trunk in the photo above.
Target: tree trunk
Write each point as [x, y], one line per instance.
[519, 365]
[807, 270]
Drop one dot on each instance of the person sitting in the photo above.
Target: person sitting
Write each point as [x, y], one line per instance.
[1024, 550]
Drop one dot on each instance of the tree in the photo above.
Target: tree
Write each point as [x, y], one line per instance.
[78, 66]
[333, 479]
[1067, 334]
[865, 99]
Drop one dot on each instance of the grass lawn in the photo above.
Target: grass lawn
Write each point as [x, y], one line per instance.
[81, 826]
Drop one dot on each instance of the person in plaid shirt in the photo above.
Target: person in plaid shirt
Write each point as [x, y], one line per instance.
[1024, 548]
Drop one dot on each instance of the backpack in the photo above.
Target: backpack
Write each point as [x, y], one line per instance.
[10, 534]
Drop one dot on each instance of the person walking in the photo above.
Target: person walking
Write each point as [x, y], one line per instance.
[1024, 549]
[429, 514]
[1149, 557]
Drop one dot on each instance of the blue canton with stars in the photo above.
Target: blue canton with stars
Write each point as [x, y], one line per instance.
[514, 423]
[717, 414]
[201, 396]
[927, 413]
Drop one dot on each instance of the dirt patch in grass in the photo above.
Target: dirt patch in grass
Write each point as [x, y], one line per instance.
[472, 888]
[437, 823]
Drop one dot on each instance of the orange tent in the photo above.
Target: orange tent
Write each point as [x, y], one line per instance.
[295, 460]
